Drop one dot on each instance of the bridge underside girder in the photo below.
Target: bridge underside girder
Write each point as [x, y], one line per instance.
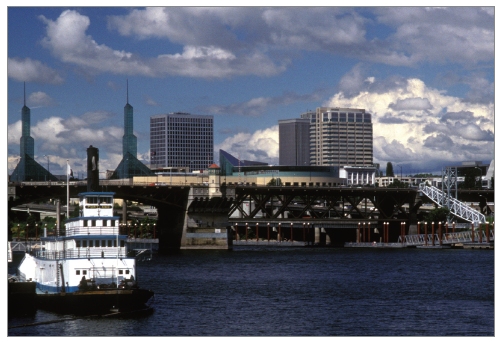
[322, 203]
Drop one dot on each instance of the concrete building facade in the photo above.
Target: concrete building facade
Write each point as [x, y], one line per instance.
[294, 142]
[181, 140]
[340, 136]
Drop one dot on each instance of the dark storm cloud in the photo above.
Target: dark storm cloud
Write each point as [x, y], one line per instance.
[439, 142]
[390, 119]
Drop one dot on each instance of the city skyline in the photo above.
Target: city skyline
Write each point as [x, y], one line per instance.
[426, 75]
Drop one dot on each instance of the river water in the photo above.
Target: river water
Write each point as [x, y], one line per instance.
[299, 291]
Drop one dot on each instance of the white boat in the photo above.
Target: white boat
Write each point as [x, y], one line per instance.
[86, 269]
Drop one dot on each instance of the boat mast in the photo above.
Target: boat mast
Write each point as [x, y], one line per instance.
[68, 171]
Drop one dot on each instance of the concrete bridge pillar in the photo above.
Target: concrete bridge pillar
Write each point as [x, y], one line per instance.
[206, 224]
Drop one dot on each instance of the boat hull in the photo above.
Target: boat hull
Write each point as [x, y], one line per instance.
[22, 298]
[95, 302]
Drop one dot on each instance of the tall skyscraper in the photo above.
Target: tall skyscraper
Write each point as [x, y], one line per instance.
[294, 142]
[28, 169]
[27, 143]
[182, 140]
[340, 136]
[130, 166]
[129, 140]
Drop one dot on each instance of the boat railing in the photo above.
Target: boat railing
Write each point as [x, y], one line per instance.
[82, 253]
[81, 230]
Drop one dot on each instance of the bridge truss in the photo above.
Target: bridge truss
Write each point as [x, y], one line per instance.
[321, 203]
[456, 207]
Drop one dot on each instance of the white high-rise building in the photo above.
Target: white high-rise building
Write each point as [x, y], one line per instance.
[182, 140]
[340, 137]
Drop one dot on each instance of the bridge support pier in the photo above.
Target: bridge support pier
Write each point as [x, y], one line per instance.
[206, 224]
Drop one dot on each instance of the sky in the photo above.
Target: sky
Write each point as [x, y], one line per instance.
[425, 74]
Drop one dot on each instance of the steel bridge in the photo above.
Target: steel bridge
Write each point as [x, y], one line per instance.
[331, 208]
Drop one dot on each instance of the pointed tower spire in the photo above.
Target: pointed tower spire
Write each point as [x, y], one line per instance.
[24, 85]
[127, 90]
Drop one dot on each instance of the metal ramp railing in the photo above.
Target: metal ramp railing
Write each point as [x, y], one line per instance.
[456, 207]
[9, 252]
[447, 238]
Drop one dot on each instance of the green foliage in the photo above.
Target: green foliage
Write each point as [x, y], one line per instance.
[471, 176]
[275, 182]
[389, 170]
[398, 184]
[437, 215]
[76, 211]
[423, 175]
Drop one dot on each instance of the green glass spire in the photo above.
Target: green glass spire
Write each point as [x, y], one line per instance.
[129, 142]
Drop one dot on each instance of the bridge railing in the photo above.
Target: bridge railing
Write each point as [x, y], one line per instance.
[447, 238]
[81, 230]
[82, 253]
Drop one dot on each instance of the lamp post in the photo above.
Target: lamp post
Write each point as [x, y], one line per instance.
[400, 172]
[48, 170]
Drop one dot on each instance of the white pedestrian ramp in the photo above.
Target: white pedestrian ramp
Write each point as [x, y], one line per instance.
[456, 207]
[446, 238]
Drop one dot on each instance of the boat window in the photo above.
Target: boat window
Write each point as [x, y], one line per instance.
[84, 272]
[120, 271]
[106, 200]
[84, 243]
[109, 243]
[93, 223]
[97, 243]
[78, 272]
[127, 272]
[103, 243]
[91, 243]
[85, 223]
[122, 243]
[105, 223]
[113, 223]
[91, 199]
[114, 243]
[78, 243]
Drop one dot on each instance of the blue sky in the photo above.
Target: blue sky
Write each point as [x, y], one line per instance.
[426, 75]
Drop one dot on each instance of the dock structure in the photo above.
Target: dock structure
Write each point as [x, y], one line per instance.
[476, 239]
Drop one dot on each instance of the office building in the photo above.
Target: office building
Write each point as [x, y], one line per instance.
[340, 137]
[181, 140]
[294, 142]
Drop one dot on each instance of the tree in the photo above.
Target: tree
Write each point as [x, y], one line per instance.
[274, 182]
[437, 215]
[389, 170]
[470, 178]
[398, 184]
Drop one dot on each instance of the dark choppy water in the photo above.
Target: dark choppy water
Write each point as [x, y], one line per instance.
[258, 291]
